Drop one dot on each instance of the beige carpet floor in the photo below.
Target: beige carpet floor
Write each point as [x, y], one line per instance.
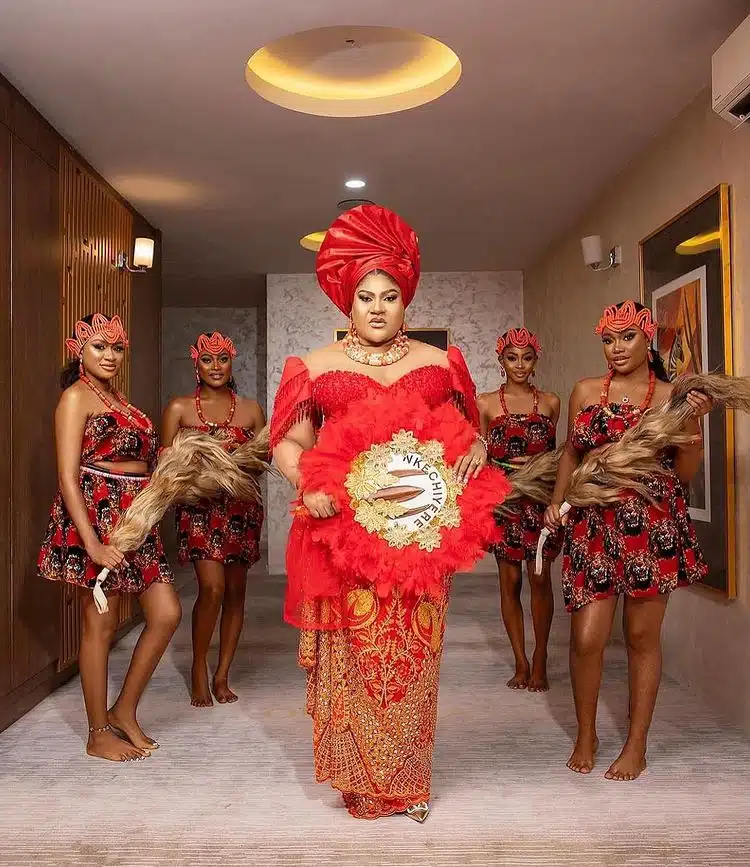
[233, 785]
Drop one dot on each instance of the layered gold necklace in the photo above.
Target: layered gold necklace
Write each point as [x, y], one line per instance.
[353, 349]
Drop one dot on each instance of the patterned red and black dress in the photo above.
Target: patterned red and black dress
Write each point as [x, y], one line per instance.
[637, 548]
[516, 435]
[224, 530]
[110, 436]
[373, 662]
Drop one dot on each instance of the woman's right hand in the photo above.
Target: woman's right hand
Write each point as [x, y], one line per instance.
[553, 520]
[105, 555]
[319, 504]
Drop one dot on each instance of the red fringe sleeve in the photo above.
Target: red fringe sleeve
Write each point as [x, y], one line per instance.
[464, 390]
[293, 402]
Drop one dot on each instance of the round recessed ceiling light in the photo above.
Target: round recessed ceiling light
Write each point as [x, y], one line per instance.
[353, 71]
[355, 183]
[312, 241]
[348, 204]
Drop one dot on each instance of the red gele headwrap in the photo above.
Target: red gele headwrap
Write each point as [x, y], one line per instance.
[213, 345]
[520, 338]
[627, 316]
[112, 330]
[366, 239]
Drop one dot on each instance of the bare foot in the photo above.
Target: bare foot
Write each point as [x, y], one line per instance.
[200, 694]
[223, 693]
[129, 729]
[538, 681]
[629, 765]
[520, 679]
[106, 745]
[583, 757]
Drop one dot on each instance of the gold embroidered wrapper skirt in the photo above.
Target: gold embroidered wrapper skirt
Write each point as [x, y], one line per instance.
[372, 692]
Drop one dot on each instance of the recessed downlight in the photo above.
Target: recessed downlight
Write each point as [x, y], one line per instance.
[355, 184]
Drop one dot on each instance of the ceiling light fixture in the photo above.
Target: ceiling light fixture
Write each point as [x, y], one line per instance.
[348, 204]
[312, 241]
[355, 184]
[353, 71]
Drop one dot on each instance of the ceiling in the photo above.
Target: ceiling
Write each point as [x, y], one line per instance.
[555, 98]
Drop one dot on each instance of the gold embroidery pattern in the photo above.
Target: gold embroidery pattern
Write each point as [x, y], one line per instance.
[372, 692]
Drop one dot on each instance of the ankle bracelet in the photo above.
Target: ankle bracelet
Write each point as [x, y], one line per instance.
[106, 728]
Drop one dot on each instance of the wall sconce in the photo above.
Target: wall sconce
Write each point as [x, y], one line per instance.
[593, 256]
[143, 257]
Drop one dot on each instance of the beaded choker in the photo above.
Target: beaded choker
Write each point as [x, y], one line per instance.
[127, 409]
[215, 425]
[604, 397]
[353, 349]
[504, 405]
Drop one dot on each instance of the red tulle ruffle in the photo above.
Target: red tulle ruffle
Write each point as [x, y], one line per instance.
[326, 558]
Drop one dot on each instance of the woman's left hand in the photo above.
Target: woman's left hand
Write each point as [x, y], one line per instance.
[700, 403]
[470, 465]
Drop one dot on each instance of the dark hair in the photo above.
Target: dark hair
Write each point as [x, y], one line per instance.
[231, 384]
[71, 373]
[655, 361]
[380, 272]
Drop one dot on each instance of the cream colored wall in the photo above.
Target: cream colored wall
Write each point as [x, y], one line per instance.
[706, 639]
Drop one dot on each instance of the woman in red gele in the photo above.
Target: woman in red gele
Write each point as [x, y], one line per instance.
[222, 537]
[372, 651]
[641, 549]
[520, 421]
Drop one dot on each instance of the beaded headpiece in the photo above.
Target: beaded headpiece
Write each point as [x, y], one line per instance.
[112, 330]
[214, 344]
[627, 315]
[520, 338]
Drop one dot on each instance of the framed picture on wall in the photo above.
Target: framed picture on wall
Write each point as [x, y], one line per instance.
[685, 270]
[681, 309]
[439, 337]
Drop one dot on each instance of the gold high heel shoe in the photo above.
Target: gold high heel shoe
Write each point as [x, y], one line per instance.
[419, 812]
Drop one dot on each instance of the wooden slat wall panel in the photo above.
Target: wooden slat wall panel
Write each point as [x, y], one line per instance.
[95, 227]
[70, 626]
[38, 178]
[32, 130]
[35, 281]
[5, 416]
